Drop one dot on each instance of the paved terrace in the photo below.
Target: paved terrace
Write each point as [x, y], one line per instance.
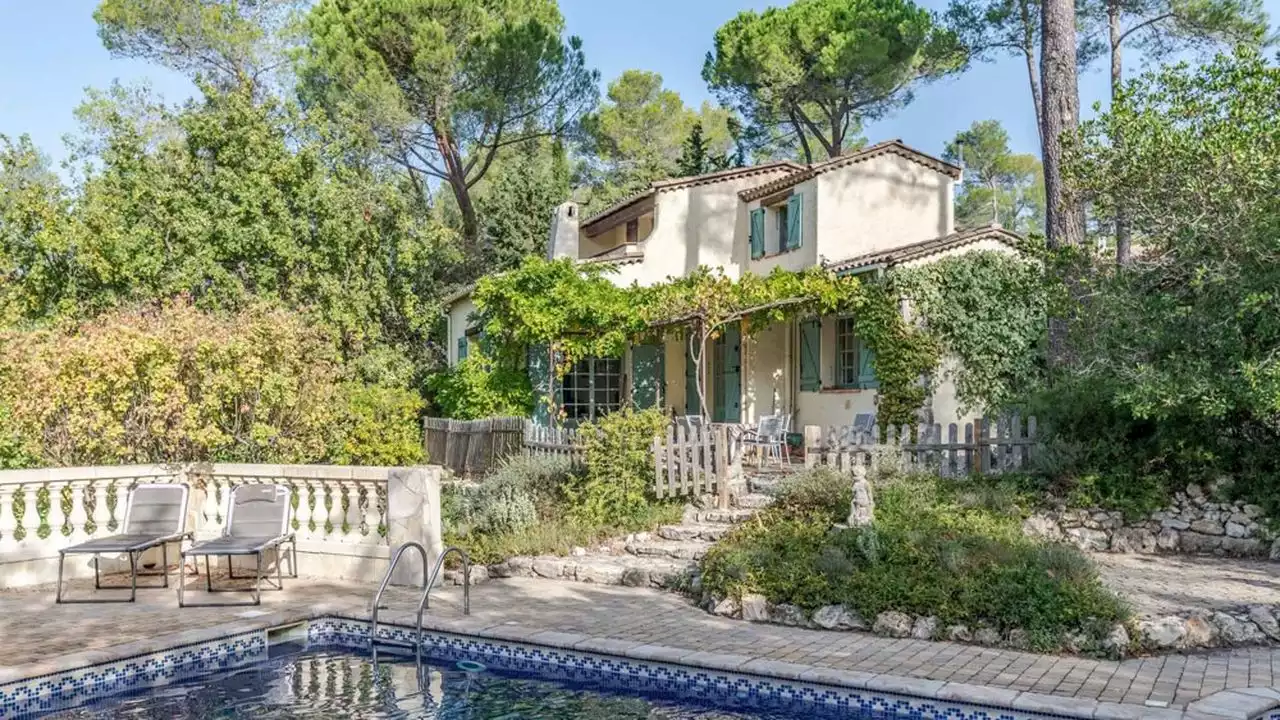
[41, 637]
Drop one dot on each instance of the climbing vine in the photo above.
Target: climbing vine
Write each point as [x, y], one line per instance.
[988, 310]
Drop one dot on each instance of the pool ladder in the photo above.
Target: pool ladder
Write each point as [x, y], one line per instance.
[428, 582]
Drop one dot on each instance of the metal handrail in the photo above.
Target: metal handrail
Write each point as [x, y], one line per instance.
[425, 602]
[386, 580]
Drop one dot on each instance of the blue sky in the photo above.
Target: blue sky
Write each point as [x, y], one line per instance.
[49, 53]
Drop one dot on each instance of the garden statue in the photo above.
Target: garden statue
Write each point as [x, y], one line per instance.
[862, 509]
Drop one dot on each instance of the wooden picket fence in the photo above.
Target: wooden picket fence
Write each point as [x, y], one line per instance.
[553, 442]
[471, 448]
[989, 446]
[699, 460]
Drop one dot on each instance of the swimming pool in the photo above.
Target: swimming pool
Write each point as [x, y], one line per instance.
[339, 684]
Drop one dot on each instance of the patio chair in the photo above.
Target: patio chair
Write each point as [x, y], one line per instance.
[154, 515]
[768, 438]
[257, 521]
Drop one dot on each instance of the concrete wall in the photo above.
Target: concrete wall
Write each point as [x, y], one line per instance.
[881, 203]
[768, 374]
[805, 256]
[458, 323]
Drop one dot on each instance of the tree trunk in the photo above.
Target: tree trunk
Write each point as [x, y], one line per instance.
[1064, 216]
[1029, 52]
[457, 177]
[1123, 235]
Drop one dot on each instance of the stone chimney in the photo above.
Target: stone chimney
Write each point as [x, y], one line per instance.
[564, 232]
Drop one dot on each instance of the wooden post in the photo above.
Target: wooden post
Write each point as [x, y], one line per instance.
[721, 450]
[812, 444]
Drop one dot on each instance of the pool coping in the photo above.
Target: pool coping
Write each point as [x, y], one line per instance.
[1236, 704]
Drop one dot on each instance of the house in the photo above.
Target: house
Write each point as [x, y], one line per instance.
[883, 206]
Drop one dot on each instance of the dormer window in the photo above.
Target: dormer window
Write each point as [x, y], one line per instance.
[633, 231]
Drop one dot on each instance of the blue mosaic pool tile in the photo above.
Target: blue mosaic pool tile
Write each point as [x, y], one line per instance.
[76, 687]
[721, 689]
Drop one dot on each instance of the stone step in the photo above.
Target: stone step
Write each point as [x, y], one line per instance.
[678, 549]
[765, 484]
[718, 517]
[693, 531]
[660, 572]
[753, 501]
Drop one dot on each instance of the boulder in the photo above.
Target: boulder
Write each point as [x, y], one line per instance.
[1167, 540]
[787, 614]
[1241, 547]
[1266, 622]
[1042, 527]
[1131, 540]
[727, 607]
[548, 567]
[1195, 491]
[1252, 511]
[1240, 518]
[1192, 542]
[1076, 642]
[893, 624]
[755, 608]
[1089, 540]
[1200, 632]
[1234, 631]
[958, 633]
[603, 575]
[1166, 633]
[1205, 526]
[986, 636]
[924, 628]
[1174, 523]
[838, 617]
[1236, 530]
[1117, 641]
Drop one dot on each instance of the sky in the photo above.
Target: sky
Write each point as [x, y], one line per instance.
[50, 52]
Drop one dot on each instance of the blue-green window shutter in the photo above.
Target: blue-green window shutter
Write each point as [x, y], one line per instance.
[866, 367]
[648, 373]
[795, 213]
[757, 233]
[462, 348]
[810, 354]
[538, 365]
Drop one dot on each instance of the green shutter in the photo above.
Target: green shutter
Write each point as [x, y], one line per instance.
[810, 353]
[728, 396]
[647, 375]
[462, 348]
[757, 233]
[795, 213]
[866, 367]
[538, 365]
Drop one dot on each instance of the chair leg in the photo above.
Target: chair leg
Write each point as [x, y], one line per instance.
[164, 558]
[62, 559]
[208, 575]
[257, 587]
[279, 570]
[182, 577]
[133, 576]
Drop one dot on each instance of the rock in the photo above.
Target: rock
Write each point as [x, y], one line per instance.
[579, 552]
[924, 628]
[1166, 633]
[1240, 518]
[755, 608]
[479, 574]
[1175, 524]
[1075, 642]
[1195, 491]
[1234, 631]
[1167, 540]
[986, 636]
[1241, 547]
[1200, 632]
[1041, 527]
[1018, 639]
[1086, 539]
[893, 624]
[1191, 542]
[958, 633]
[1266, 622]
[1133, 540]
[786, 614]
[727, 607]
[1117, 642]
[1253, 511]
[1236, 530]
[838, 617]
[603, 575]
[1206, 526]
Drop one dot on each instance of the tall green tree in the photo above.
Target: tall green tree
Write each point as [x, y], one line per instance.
[699, 156]
[227, 42]
[818, 68]
[516, 200]
[442, 86]
[999, 186]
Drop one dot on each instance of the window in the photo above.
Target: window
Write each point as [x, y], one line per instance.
[846, 354]
[592, 389]
[633, 231]
[462, 348]
[782, 228]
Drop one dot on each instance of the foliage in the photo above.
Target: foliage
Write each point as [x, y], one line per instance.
[478, 388]
[516, 201]
[999, 186]
[821, 67]
[1179, 348]
[933, 550]
[821, 491]
[618, 449]
[988, 310]
[174, 384]
[698, 156]
[1160, 29]
[443, 85]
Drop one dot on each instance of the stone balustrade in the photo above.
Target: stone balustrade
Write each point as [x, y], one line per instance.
[339, 513]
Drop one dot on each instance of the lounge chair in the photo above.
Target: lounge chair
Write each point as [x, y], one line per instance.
[155, 515]
[257, 521]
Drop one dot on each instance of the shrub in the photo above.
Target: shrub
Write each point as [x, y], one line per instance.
[519, 493]
[174, 384]
[820, 491]
[618, 449]
[478, 387]
[933, 550]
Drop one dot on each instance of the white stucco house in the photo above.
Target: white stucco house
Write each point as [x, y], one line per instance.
[867, 211]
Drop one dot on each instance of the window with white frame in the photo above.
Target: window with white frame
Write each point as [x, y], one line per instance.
[592, 389]
[847, 355]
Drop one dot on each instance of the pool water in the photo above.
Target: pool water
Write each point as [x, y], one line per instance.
[337, 684]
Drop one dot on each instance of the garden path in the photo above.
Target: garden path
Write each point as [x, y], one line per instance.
[1166, 584]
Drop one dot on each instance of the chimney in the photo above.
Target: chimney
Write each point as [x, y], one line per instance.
[564, 232]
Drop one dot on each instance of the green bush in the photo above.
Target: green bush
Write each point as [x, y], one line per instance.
[617, 486]
[821, 491]
[478, 387]
[520, 493]
[955, 553]
[381, 426]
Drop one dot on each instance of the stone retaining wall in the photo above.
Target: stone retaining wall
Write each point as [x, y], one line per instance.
[1195, 523]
